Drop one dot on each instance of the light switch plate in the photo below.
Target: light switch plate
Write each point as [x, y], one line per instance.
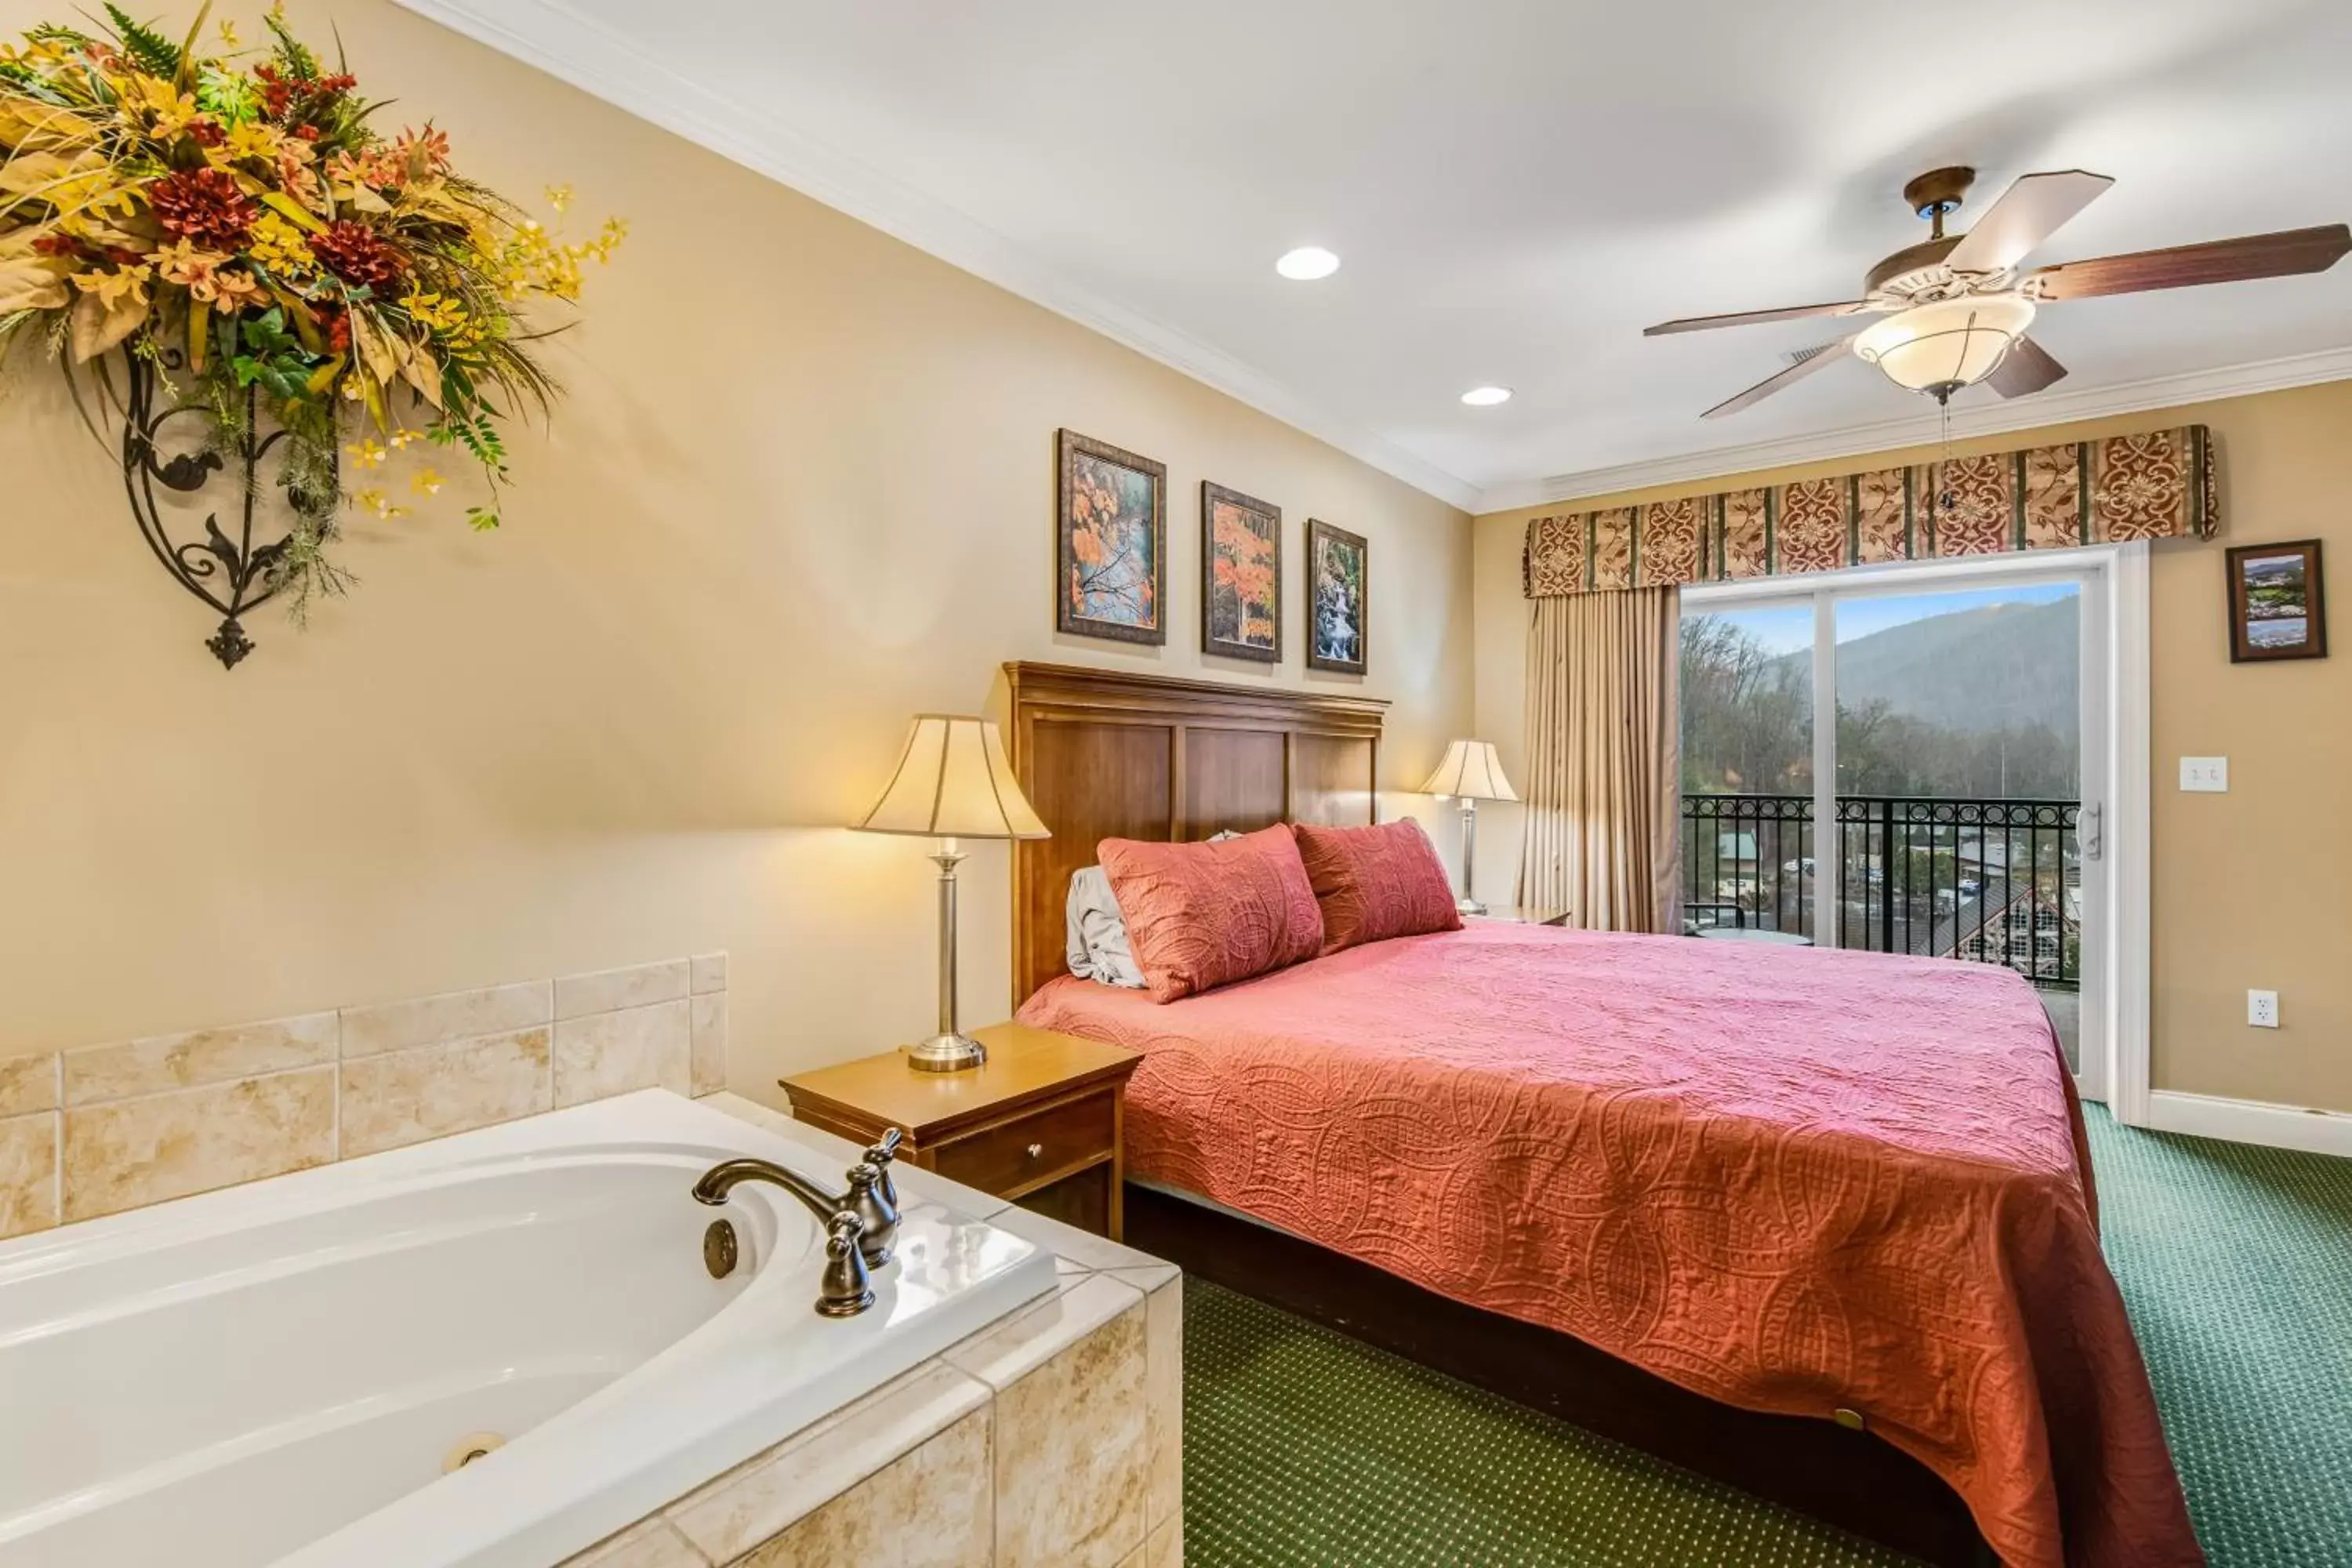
[2209, 775]
[2262, 1009]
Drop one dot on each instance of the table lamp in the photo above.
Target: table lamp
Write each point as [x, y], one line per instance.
[1471, 772]
[953, 781]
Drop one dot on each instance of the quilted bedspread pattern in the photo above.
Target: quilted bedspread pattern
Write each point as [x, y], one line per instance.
[1791, 1180]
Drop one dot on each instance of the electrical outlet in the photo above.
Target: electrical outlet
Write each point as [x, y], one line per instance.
[2262, 1009]
[2209, 775]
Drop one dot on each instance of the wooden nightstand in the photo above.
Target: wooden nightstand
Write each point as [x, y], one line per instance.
[1522, 915]
[1038, 1123]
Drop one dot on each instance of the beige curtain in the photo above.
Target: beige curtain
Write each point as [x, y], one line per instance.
[1603, 760]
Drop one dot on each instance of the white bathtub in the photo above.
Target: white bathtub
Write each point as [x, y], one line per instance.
[278, 1372]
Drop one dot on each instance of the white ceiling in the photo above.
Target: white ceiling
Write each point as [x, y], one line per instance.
[1518, 188]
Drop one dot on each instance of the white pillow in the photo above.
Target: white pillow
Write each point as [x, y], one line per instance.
[1094, 934]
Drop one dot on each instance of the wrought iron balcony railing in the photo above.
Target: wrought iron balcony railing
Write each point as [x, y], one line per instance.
[1996, 881]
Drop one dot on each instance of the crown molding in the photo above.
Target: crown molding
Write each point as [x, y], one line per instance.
[551, 38]
[1990, 419]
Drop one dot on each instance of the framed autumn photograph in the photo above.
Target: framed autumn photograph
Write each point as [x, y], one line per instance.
[2278, 604]
[1241, 575]
[1110, 577]
[1338, 599]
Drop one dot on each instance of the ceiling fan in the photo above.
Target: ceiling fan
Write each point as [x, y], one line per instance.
[1958, 308]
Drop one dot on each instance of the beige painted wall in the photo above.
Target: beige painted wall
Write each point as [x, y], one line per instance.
[2250, 888]
[802, 488]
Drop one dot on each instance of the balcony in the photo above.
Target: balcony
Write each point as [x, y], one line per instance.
[1987, 881]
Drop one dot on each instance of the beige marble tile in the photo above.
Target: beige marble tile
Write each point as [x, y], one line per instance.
[405, 1097]
[1164, 1402]
[771, 1491]
[457, 1015]
[128, 1153]
[610, 990]
[28, 1172]
[930, 1509]
[164, 1062]
[1003, 1355]
[1082, 1247]
[709, 973]
[28, 1083]
[1071, 1462]
[648, 1543]
[1165, 1549]
[605, 1054]
[709, 1042]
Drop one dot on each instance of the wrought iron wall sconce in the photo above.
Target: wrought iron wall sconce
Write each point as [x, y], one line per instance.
[232, 576]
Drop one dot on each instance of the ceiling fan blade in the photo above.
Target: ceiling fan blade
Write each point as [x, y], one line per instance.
[2028, 213]
[2028, 367]
[1745, 318]
[1808, 361]
[2279, 254]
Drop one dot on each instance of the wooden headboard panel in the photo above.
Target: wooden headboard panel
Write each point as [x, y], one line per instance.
[1104, 753]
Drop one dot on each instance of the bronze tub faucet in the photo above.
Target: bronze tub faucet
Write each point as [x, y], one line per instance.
[861, 1224]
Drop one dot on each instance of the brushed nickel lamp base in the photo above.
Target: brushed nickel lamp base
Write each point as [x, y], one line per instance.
[1468, 903]
[949, 1050]
[946, 1053]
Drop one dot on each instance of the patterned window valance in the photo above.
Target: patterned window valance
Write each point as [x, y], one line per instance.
[2153, 485]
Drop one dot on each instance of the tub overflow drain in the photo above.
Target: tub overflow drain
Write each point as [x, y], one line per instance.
[468, 1448]
[719, 1249]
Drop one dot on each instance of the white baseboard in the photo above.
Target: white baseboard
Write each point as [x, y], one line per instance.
[2250, 1121]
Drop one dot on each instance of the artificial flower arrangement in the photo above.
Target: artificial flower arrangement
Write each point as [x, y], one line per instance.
[233, 221]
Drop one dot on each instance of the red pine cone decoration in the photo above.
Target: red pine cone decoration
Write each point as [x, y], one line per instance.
[204, 206]
[358, 255]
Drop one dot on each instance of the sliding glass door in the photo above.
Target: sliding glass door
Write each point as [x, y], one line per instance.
[1941, 812]
[1746, 690]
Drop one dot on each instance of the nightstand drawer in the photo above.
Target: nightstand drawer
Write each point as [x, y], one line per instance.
[1013, 1156]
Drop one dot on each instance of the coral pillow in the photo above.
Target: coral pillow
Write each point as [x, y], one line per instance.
[1377, 882]
[1203, 915]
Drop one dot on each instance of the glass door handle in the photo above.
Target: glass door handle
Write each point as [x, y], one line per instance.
[2092, 833]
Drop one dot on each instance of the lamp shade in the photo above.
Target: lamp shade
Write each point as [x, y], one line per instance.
[1471, 771]
[953, 781]
[1942, 347]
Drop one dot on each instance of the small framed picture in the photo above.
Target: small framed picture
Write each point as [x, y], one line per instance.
[2278, 604]
[1110, 576]
[1339, 600]
[1241, 575]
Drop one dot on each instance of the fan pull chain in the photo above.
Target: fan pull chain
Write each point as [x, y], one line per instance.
[1944, 461]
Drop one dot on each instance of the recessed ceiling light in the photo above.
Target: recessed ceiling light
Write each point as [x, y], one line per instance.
[1486, 396]
[1307, 263]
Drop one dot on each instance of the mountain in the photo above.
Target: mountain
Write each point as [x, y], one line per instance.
[2006, 667]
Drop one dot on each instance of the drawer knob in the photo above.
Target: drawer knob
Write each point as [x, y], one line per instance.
[1036, 1149]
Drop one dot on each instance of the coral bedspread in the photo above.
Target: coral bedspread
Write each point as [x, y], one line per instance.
[1788, 1179]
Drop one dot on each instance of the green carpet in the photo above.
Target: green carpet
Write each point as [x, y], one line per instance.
[1303, 1447]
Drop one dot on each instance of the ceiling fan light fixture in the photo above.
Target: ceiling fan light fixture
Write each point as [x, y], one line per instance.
[1942, 347]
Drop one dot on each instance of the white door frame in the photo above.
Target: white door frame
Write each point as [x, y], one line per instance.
[2114, 977]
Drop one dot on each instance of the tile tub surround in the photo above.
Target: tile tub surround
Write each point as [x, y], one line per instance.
[1055, 1437]
[98, 1128]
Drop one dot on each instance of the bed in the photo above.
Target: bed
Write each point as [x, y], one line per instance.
[1737, 1196]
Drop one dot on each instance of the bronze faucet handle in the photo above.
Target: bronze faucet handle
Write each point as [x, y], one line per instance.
[879, 1156]
[871, 1199]
[847, 1289]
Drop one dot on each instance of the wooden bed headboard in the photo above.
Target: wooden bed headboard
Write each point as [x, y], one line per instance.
[1105, 754]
